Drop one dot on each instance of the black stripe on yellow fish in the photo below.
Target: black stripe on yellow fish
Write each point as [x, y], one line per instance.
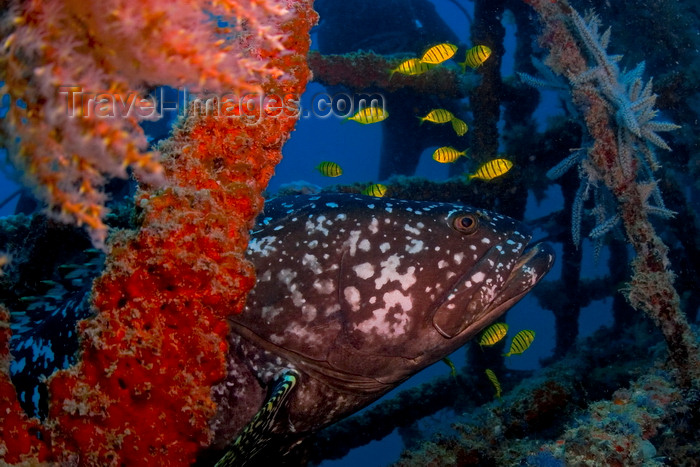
[447, 154]
[375, 189]
[453, 368]
[459, 126]
[439, 53]
[492, 169]
[475, 57]
[369, 115]
[521, 342]
[493, 334]
[437, 116]
[411, 67]
[492, 377]
[329, 169]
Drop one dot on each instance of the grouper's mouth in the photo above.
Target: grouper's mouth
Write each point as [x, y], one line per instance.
[534, 263]
[482, 305]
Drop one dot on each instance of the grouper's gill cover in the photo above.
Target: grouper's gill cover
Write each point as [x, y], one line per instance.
[362, 292]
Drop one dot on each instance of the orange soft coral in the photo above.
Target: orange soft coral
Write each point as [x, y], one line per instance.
[20, 437]
[141, 393]
[77, 72]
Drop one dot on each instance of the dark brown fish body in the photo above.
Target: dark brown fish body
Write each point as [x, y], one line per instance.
[355, 294]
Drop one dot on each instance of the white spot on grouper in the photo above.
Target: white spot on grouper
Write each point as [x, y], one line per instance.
[304, 334]
[364, 245]
[269, 312]
[286, 276]
[415, 246]
[324, 286]
[308, 312]
[442, 264]
[332, 309]
[311, 228]
[389, 273]
[384, 324]
[351, 242]
[374, 226]
[312, 263]
[364, 270]
[478, 277]
[458, 257]
[352, 296]
[262, 246]
[384, 247]
[395, 297]
[413, 230]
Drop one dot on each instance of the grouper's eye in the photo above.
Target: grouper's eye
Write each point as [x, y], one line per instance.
[466, 224]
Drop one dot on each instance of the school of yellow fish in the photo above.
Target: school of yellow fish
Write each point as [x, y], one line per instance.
[434, 56]
[494, 334]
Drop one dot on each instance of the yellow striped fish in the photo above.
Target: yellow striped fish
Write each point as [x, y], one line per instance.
[439, 53]
[438, 116]
[492, 169]
[369, 115]
[411, 67]
[476, 56]
[453, 368]
[447, 154]
[521, 342]
[459, 126]
[375, 189]
[493, 334]
[492, 377]
[329, 169]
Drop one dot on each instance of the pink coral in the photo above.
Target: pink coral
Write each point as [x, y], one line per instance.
[76, 73]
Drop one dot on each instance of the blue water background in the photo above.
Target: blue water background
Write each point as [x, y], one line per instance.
[356, 148]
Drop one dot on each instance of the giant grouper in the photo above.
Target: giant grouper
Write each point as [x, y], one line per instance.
[354, 295]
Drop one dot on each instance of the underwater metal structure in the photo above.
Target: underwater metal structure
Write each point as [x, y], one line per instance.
[617, 131]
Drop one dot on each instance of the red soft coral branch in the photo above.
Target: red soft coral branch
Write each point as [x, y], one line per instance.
[141, 393]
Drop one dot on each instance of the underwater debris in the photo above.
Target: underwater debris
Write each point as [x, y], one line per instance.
[362, 71]
[618, 111]
[544, 418]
